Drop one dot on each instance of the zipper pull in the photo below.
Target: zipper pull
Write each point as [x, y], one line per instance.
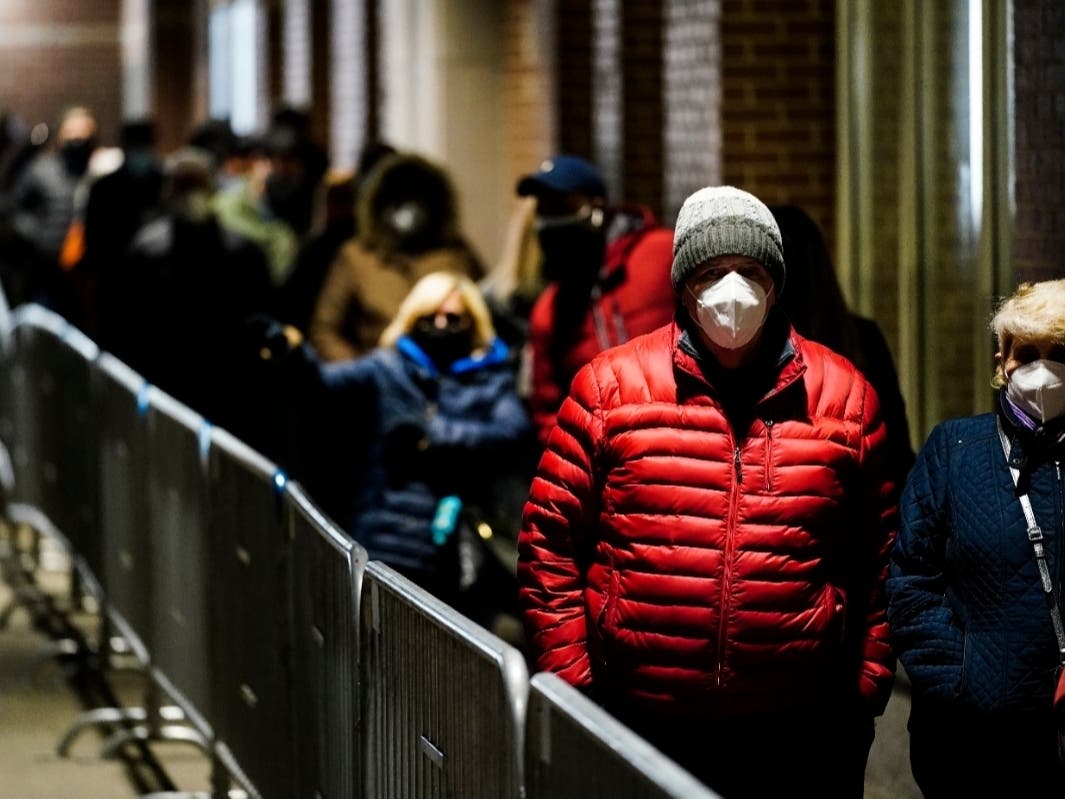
[739, 469]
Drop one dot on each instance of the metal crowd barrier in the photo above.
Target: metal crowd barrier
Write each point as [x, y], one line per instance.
[327, 570]
[123, 524]
[576, 750]
[122, 435]
[302, 669]
[249, 614]
[179, 555]
[444, 700]
[54, 448]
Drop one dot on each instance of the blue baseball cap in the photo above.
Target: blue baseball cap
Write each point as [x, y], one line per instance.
[563, 174]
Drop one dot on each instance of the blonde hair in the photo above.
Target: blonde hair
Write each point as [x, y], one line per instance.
[518, 271]
[428, 294]
[1034, 312]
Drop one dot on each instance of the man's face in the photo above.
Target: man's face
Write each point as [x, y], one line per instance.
[556, 206]
[76, 127]
[716, 268]
[570, 229]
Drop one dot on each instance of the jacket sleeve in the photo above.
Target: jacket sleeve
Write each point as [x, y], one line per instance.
[558, 531]
[507, 423]
[326, 327]
[927, 635]
[880, 507]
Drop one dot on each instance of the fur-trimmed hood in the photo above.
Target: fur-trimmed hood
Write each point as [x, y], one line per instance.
[399, 180]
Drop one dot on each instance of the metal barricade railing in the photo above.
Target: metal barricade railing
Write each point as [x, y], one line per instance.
[72, 438]
[121, 406]
[179, 556]
[444, 700]
[250, 625]
[31, 389]
[54, 448]
[576, 750]
[123, 521]
[327, 570]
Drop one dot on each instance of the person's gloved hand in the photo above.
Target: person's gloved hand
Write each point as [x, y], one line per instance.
[405, 446]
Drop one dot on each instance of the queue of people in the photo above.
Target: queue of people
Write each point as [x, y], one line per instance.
[675, 453]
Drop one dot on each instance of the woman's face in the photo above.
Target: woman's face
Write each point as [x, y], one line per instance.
[1022, 351]
[450, 313]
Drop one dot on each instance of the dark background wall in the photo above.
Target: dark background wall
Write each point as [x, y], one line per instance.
[55, 53]
[1039, 80]
[778, 105]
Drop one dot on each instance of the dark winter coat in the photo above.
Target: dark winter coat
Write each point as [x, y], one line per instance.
[968, 615]
[372, 274]
[421, 436]
[632, 296]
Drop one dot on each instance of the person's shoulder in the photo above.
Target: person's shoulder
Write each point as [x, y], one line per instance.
[649, 352]
[964, 430]
[821, 359]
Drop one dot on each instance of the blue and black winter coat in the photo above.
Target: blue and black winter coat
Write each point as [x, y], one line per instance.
[969, 619]
[420, 436]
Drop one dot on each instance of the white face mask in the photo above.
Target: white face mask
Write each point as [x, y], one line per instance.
[1039, 389]
[732, 310]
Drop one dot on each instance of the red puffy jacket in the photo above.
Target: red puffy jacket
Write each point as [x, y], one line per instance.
[633, 296]
[681, 568]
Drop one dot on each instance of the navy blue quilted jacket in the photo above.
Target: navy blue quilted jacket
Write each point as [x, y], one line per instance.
[468, 418]
[968, 616]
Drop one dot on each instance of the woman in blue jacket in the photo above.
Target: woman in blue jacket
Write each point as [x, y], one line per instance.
[434, 412]
[969, 616]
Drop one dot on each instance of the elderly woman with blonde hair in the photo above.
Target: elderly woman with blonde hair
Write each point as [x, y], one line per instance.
[975, 592]
[436, 413]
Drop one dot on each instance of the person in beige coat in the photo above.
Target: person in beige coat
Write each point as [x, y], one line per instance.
[408, 227]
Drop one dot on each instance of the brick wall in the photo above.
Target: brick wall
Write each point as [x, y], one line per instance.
[528, 86]
[691, 93]
[57, 53]
[1039, 82]
[641, 45]
[778, 102]
[573, 76]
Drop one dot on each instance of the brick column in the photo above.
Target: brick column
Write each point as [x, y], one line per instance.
[574, 76]
[644, 114]
[778, 102]
[1039, 83]
[691, 92]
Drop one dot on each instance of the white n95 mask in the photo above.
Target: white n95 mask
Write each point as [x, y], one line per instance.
[732, 310]
[1039, 389]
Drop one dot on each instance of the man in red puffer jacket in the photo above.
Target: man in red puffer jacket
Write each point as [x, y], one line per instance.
[606, 268]
[705, 544]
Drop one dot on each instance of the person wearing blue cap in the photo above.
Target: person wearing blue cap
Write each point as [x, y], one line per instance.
[607, 273]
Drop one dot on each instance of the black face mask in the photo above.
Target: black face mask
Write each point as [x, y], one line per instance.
[572, 252]
[75, 154]
[443, 345]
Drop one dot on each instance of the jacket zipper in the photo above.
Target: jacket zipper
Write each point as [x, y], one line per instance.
[726, 583]
[768, 454]
[1061, 536]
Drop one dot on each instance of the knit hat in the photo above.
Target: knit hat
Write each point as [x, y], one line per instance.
[722, 220]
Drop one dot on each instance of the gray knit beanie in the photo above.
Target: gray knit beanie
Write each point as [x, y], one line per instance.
[722, 220]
